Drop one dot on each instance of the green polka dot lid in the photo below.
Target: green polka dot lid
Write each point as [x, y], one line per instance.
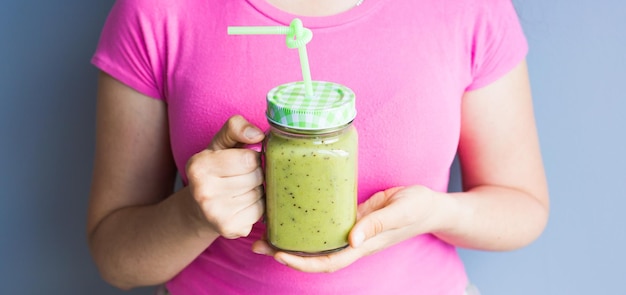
[331, 105]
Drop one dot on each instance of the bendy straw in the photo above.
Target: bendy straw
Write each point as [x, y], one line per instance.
[297, 36]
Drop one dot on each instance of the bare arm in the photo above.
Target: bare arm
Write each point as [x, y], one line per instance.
[505, 204]
[140, 232]
[134, 230]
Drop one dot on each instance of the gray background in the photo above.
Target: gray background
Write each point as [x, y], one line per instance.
[578, 71]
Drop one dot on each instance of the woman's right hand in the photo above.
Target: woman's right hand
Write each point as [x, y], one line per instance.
[225, 180]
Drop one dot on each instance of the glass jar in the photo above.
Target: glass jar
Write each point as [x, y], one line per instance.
[310, 168]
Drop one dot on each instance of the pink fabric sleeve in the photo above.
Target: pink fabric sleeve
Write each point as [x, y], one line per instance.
[128, 49]
[499, 43]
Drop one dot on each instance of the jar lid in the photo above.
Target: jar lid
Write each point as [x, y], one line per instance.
[332, 105]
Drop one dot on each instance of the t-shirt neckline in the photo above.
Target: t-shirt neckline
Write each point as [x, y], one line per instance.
[312, 22]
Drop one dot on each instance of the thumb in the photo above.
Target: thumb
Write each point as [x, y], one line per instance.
[235, 131]
[371, 218]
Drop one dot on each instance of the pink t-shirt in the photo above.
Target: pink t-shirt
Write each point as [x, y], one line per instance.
[409, 63]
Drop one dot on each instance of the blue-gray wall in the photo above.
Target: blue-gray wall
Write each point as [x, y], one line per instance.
[578, 70]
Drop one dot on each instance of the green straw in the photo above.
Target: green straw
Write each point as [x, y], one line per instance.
[297, 37]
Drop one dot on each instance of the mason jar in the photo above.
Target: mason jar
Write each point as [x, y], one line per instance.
[310, 156]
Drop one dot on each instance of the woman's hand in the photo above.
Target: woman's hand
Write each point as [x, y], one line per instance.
[387, 218]
[225, 181]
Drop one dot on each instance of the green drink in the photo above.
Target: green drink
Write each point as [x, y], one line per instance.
[310, 156]
[310, 169]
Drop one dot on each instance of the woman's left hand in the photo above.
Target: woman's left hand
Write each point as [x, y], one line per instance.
[387, 218]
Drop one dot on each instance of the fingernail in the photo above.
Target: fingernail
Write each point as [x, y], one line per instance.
[357, 239]
[252, 133]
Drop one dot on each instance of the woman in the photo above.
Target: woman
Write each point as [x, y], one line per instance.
[432, 78]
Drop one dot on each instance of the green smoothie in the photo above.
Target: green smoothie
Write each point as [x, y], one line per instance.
[311, 185]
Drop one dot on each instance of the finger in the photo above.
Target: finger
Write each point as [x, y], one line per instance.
[376, 201]
[249, 216]
[317, 264]
[251, 203]
[228, 187]
[240, 184]
[223, 163]
[376, 216]
[248, 209]
[234, 132]
[263, 247]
